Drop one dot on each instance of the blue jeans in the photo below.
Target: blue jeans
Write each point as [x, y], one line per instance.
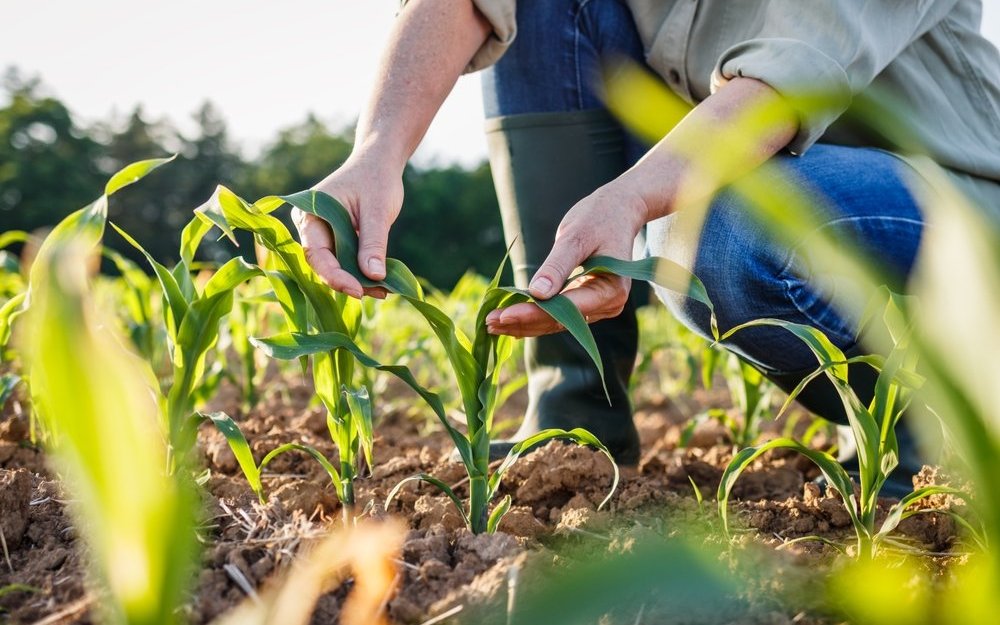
[554, 65]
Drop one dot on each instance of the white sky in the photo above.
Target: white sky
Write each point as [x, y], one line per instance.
[264, 64]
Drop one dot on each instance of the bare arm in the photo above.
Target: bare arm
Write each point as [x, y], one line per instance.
[431, 44]
[718, 141]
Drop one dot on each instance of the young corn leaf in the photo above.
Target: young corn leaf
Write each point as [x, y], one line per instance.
[360, 406]
[497, 515]
[579, 436]
[294, 345]
[240, 448]
[133, 173]
[335, 477]
[433, 481]
[659, 271]
[898, 511]
[138, 522]
[565, 312]
[834, 473]
[177, 304]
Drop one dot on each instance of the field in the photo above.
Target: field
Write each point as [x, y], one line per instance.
[178, 445]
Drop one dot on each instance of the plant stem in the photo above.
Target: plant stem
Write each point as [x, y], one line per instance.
[478, 503]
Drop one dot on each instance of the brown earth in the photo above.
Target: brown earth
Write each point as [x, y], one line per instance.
[555, 492]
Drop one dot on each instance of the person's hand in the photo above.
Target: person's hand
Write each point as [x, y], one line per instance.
[372, 193]
[603, 223]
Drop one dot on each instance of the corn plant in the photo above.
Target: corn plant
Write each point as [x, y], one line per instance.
[192, 317]
[309, 306]
[873, 426]
[95, 397]
[476, 362]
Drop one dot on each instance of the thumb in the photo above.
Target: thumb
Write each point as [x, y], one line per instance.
[566, 255]
[373, 235]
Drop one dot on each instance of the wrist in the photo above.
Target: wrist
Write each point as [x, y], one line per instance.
[381, 154]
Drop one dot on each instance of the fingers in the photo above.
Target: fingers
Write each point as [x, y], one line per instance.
[373, 236]
[325, 264]
[566, 255]
[598, 297]
[317, 245]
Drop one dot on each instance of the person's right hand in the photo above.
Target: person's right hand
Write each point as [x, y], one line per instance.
[373, 194]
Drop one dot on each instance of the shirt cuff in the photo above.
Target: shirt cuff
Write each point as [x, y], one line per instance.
[816, 85]
[501, 14]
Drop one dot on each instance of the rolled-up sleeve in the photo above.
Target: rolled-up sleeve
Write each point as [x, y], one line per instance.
[501, 14]
[820, 57]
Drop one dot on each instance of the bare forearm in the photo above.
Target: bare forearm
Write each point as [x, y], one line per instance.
[726, 136]
[431, 44]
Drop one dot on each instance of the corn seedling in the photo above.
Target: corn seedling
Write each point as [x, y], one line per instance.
[323, 325]
[476, 362]
[93, 395]
[873, 426]
[192, 317]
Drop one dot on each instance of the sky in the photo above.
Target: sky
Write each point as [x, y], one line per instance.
[266, 65]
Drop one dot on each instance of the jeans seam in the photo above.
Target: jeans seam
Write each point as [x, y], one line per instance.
[794, 252]
[576, 51]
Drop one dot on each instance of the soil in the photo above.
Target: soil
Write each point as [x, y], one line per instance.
[556, 492]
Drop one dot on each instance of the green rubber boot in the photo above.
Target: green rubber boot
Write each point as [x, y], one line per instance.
[542, 165]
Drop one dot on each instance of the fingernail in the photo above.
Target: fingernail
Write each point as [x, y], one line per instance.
[493, 317]
[541, 285]
[355, 294]
[375, 265]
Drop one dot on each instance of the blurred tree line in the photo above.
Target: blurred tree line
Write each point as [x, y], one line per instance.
[50, 166]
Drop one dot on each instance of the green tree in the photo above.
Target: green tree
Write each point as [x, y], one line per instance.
[48, 165]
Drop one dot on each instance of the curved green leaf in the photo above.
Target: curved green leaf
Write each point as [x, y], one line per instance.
[565, 312]
[338, 483]
[835, 474]
[176, 302]
[294, 345]
[896, 512]
[430, 479]
[497, 515]
[360, 406]
[240, 448]
[579, 436]
[659, 271]
[133, 173]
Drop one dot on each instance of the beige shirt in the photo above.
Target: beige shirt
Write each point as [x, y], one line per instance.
[928, 55]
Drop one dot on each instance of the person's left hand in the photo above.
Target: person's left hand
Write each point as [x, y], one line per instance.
[604, 223]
